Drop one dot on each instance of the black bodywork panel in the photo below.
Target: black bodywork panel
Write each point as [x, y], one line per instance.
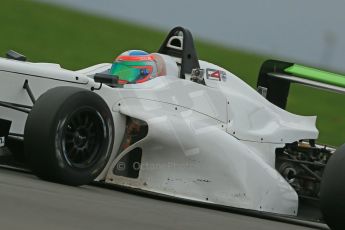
[277, 89]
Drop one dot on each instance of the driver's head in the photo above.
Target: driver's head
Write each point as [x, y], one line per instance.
[134, 66]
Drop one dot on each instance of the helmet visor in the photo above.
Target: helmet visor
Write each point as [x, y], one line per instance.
[131, 71]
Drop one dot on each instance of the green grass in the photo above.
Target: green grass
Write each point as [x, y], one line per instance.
[76, 40]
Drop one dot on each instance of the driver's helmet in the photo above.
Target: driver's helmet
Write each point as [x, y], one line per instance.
[134, 66]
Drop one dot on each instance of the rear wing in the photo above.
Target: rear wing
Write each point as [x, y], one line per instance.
[275, 78]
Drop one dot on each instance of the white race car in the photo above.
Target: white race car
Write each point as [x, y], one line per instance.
[197, 133]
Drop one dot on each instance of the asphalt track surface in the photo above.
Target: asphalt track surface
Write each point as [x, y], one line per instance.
[27, 202]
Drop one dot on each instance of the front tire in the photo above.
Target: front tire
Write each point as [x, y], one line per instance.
[69, 136]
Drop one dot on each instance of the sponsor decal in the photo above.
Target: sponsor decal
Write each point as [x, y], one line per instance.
[2, 141]
[214, 74]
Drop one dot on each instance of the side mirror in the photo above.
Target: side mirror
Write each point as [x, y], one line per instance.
[11, 54]
[106, 78]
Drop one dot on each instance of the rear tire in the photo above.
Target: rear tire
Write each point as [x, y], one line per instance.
[332, 198]
[69, 135]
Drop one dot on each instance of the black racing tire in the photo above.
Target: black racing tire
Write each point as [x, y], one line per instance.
[69, 135]
[332, 197]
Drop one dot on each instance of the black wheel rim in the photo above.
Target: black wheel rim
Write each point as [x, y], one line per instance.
[83, 133]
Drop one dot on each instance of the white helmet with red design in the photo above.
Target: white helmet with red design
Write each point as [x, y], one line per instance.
[137, 66]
